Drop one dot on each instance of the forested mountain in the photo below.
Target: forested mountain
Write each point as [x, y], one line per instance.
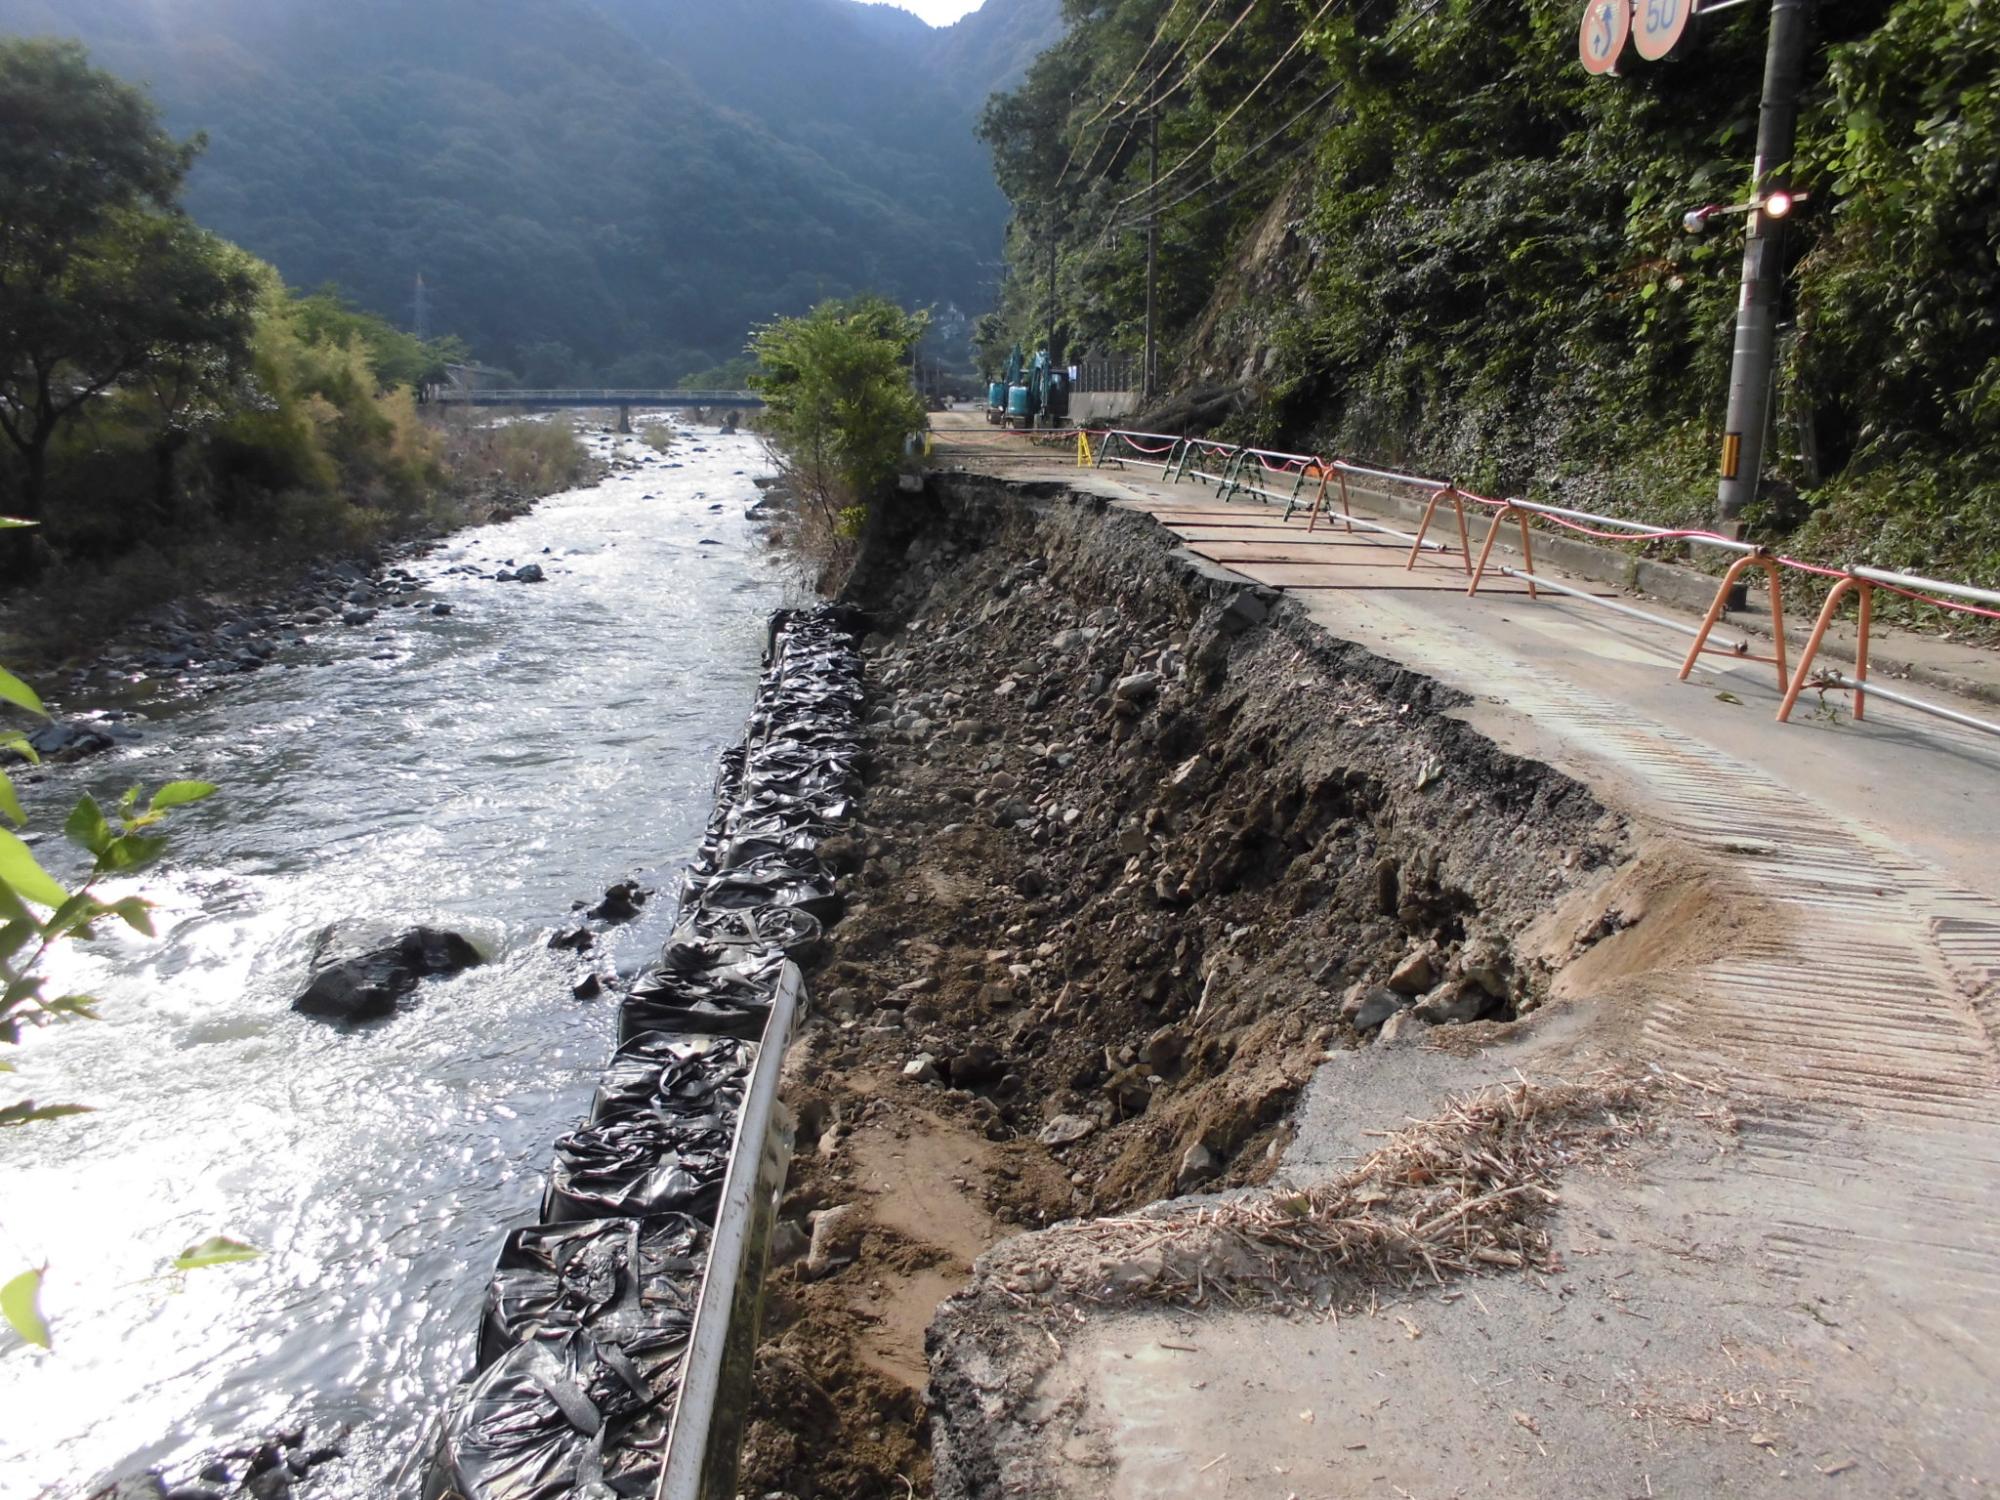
[592, 189]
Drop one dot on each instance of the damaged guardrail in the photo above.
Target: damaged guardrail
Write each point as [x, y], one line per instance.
[615, 1352]
[1316, 482]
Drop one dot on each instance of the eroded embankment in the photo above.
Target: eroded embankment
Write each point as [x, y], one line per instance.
[1141, 846]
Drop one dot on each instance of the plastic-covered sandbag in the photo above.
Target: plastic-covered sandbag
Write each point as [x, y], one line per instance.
[824, 806]
[804, 886]
[803, 776]
[694, 972]
[612, 1278]
[638, 1167]
[569, 1419]
[796, 934]
[697, 1010]
[684, 1077]
[787, 820]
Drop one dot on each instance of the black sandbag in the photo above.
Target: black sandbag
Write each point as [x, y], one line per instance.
[741, 1017]
[612, 1277]
[765, 883]
[826, 807]
[792, 823]
[803, 777]
[786, 846]
[635, 1168]
[568, 1419]
[794, 933]
[683, 975]
[683, 1077]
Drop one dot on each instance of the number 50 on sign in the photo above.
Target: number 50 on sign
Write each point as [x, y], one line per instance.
[1657, 26]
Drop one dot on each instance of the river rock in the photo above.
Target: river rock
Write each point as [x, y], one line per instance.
[1198, 1165]
[1457, 1002]
[530, 573]
[1138, 689]
[1414, 974]
[621, 903]
[1368, 1006]
[369, 985]
[836, 1239]
[70, 741]
[1066, 1130]
[979, 1063]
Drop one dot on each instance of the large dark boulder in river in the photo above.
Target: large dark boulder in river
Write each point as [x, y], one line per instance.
[369, 985]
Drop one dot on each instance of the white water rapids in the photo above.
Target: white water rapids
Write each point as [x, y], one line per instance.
[503, 762]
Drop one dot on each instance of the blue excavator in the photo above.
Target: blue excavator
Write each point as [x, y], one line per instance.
[1034, 393]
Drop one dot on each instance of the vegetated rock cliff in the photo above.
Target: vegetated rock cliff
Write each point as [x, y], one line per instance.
[1143, 845]
[1235, 340]
[1434, 241]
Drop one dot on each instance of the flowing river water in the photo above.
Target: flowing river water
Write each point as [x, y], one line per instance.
[481, 771]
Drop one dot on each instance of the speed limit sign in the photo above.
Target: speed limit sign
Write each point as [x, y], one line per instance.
[1606, 24]
[1658, 25]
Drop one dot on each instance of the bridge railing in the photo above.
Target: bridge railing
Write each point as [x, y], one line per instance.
[565, 397]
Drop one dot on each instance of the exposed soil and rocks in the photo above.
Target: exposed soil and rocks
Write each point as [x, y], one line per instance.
[1140, 848]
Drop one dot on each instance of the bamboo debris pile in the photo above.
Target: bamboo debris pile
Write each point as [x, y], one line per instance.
[1465, 1192]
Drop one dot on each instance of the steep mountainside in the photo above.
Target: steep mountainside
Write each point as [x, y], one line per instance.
[1419, 232]
[612, 190]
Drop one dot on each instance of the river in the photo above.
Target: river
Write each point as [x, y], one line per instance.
[498, 765]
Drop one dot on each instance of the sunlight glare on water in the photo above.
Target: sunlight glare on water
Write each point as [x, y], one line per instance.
[500, 764]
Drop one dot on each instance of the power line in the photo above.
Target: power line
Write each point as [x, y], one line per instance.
[1216, 176]
[1181, 51]
[1248, 151]
[1155, 99]
[1223, 124]
[1113, 98]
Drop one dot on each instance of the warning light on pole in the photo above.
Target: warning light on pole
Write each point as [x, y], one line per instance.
[1776, 204]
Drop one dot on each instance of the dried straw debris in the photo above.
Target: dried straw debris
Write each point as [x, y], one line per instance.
[1463, 1193]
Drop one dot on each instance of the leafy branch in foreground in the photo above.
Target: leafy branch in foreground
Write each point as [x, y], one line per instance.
[120, 841]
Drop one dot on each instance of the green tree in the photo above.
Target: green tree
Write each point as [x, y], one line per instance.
[839, 402]
[103, 282]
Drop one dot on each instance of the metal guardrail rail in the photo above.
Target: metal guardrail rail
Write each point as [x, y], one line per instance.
[1226, 465]
[713, 1409]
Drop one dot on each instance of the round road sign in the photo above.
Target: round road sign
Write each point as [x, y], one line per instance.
[1658, 26]
[1606, 24]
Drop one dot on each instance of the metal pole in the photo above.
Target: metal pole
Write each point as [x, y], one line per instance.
[1146, 378]
[1763, 265]
[1051, 344]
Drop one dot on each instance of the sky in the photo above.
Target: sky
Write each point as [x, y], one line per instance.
[937, 12]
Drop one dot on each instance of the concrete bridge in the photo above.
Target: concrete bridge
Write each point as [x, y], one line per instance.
[626, 400]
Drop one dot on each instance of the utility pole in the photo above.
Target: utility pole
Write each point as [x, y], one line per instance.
[1763, 266]
[1050, 345]
[1152, 230]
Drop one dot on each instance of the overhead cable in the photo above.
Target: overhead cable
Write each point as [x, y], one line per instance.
[1223, 124]
[1115, 95]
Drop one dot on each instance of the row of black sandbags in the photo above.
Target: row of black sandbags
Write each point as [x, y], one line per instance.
[589, 1312]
